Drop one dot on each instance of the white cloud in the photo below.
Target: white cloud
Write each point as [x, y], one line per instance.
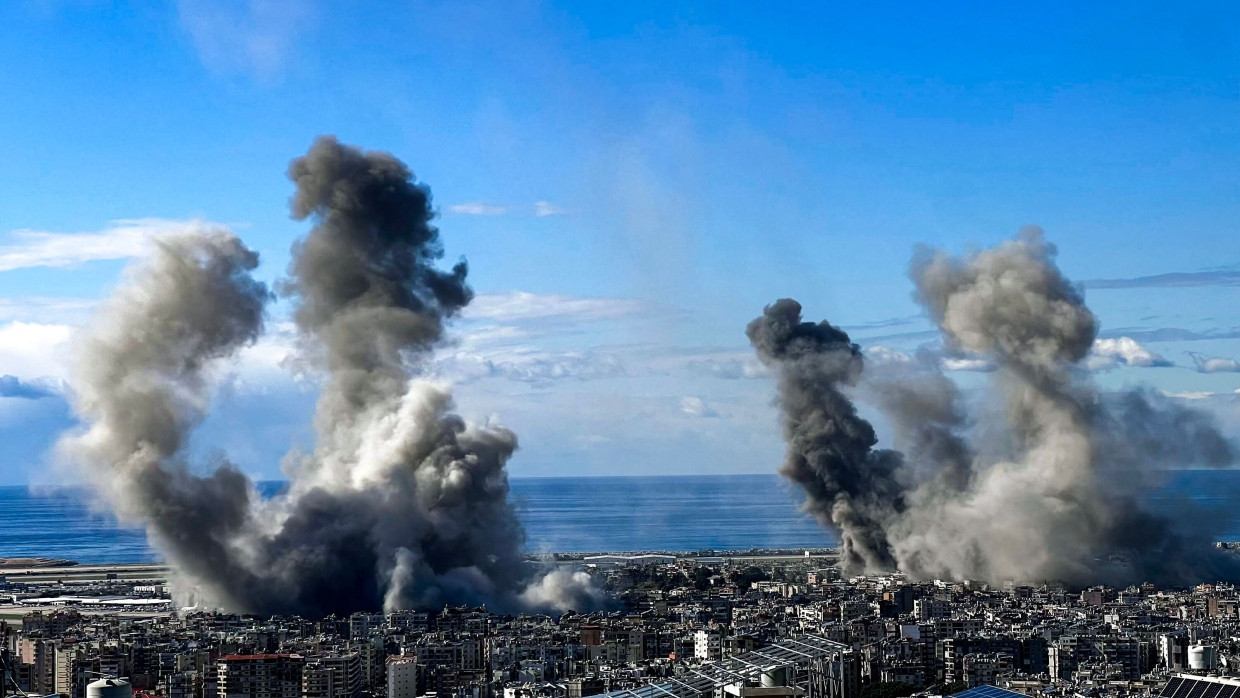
[490, 336]
[530, 365]
[272, 360]
[41, 354]
[1214, 364]
[695, 406]
[542, 209]
[592, 439]
[729, 368]
[47, 310]
[967, 363]
[33, 350]
[1107, 354]
[477, 208]
[247, 36]
[1104, 355]
[1189, 394]
[880, 355]
[122, 239]
[501, 342]
[519, 305]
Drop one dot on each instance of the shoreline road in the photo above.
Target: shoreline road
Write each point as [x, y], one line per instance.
[34, 570]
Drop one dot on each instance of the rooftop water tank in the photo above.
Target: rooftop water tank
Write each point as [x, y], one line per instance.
[109, 688]
[1202, 658]
[775, 678]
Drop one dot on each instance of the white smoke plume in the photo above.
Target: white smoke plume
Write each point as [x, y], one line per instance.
[401, 504]
[1047, 480]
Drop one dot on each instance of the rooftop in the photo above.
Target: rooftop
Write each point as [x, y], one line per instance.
[738, 669]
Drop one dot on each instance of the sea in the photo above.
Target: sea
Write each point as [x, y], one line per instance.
[578, 514]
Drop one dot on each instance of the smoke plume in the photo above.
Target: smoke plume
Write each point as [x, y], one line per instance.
[1048, 480]
[831, 449]
[401, 503]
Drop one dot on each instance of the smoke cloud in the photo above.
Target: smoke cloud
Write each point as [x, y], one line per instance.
[1048, 478]
[401, 503]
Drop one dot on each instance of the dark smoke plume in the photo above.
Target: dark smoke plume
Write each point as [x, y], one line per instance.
[830, 448]
[1059, 495]
[401, 504]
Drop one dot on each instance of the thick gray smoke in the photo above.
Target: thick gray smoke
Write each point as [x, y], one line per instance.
[401, 504]
[830, 448]
[1049, 480]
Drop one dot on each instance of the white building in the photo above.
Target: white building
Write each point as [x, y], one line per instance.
[402, 677]
[707, 645]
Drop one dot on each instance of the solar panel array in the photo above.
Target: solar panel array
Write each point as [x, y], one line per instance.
[988, 692]
[739, 669]
[1199, 687]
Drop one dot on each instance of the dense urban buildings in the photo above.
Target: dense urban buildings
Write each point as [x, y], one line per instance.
[671, 618]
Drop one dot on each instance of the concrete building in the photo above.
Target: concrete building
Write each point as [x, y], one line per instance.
[361, 624]
[464, 654]
[54, 623]
[373, 656]
[1173, 650]
[1072, 651]
[409, 621]
[347, 673]
[260, 675]
[981, 669]
[854, 608]
[929, 608]
[177, 685]
[582, 687]
[707, 645]
[40, 655]
[75, 667]
[402, 677]
[1094, 596]
[318, 681]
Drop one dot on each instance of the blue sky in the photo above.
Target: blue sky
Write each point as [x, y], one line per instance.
[630, 184]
